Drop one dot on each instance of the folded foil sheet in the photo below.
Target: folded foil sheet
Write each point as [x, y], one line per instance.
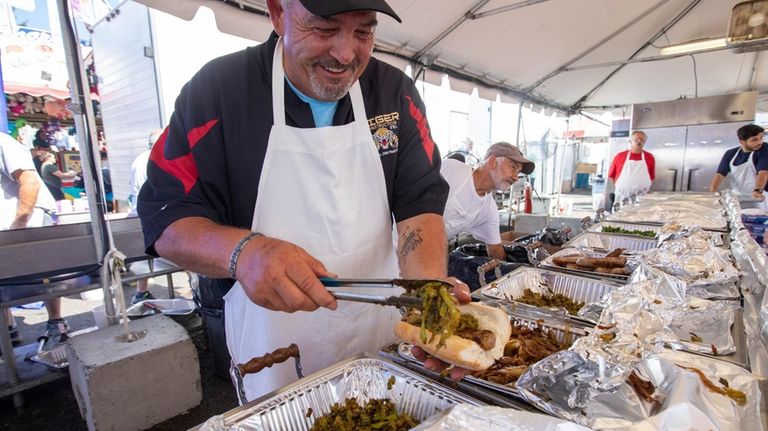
[579, 387]
[490, 418]
[681, 211]
[359, 378]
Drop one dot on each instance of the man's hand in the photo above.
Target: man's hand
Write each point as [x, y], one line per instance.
[20, 222]
[281, 276]
[758, 195]
[461, 292]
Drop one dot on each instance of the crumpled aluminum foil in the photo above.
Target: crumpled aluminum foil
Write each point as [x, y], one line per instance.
[703, 214]
[490, 418]
[706, 269]
[565, 384]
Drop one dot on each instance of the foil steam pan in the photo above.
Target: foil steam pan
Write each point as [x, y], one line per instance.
[359, 378]
[170, 307]
[718, 238]
[491, 418]
[610, 241]
[563, 385]
[579, 289]
[588, 252]
[561, 327]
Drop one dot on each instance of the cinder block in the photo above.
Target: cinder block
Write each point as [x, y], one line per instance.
[133, 386]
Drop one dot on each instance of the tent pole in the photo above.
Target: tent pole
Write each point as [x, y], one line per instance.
[592, 48]
[658, 34]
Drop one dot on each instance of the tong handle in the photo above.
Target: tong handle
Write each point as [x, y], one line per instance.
[260, 362]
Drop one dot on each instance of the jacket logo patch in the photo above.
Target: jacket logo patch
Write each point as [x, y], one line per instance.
[384, 131]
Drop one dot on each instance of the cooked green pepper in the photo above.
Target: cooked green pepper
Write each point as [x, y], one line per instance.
[376, 415]
[645, 233]
[440, 314]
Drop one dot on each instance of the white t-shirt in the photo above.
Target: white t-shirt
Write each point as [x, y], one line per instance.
[14, 157]
[465, 210]
[138, 177]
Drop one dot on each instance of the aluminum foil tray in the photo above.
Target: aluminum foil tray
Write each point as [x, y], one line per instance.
[54, 358]
[170, 307]
[362, 378]
[717, 237]
[726, 333]
[512, 286]
[548, 263]
[690, 214]
[551, 323]
[610, 241]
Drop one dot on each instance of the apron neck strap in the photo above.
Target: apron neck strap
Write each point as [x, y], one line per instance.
[278, 93]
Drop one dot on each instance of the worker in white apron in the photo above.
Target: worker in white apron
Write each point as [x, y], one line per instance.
[357, 242]
[743, 178]
[634, 178]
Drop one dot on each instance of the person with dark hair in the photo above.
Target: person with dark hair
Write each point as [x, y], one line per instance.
[747, 165]
[52, 175]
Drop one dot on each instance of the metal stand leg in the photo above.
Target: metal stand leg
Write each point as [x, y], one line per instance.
[10, 359]
[171, 291]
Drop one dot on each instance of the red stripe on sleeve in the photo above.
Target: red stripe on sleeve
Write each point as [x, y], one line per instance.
[423, 127]
[198, 133]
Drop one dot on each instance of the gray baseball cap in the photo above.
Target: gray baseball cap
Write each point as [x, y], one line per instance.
[505, 149]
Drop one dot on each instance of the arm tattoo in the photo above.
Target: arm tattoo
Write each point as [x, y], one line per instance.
[411, 241]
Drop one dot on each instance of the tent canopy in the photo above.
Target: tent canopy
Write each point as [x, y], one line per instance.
[558, 53]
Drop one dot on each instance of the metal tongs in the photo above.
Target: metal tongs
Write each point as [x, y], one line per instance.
[394, 300]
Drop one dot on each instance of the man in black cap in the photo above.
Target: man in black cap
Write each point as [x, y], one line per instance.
[287, 162]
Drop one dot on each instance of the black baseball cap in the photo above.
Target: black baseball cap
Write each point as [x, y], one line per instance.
[326, 8]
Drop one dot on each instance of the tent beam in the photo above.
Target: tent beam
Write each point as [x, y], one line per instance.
[564, 67]
[644, 59]
[451, 28]
[507, 8]
[677, 18]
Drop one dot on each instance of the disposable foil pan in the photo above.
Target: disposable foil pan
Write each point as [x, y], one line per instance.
[577, 288]
[550, 323]
[726, 334]
[549, 263]
[54, 358]
[717, 237]
[362, 378]
[610, 241]
[170, 307]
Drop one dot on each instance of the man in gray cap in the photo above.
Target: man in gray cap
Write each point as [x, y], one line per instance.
[471, 207]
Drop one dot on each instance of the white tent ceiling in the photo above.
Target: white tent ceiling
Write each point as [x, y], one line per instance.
[509, 47]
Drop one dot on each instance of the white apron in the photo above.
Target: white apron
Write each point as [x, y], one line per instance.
[633, 179]
[324, 190]
[743, 178]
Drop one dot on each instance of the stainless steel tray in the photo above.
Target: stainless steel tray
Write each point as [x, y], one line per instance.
[610, 241]
[551, 323]
[170, 307]
[362, 378]
[718, 237]
[577, 288]
[548, 263]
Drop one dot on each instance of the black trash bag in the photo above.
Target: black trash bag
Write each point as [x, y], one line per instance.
[464, 261]
[552, 236]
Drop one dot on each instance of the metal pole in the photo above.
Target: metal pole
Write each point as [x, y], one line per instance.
[85, 124]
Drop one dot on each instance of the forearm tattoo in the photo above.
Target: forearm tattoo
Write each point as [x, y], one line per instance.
[411, 240]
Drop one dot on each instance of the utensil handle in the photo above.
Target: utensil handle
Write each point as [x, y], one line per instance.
[260, 362]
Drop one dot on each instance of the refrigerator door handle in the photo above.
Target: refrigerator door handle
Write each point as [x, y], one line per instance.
[690, 174]
[674, 179]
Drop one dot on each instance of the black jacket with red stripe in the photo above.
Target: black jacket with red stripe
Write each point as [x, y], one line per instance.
[208, 161]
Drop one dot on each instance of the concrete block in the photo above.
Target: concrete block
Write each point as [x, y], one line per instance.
[133, 386]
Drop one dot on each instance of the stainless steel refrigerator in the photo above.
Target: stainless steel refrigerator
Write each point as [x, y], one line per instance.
[688, 137]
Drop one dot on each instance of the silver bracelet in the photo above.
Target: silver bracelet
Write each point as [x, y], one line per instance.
[236, 252]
